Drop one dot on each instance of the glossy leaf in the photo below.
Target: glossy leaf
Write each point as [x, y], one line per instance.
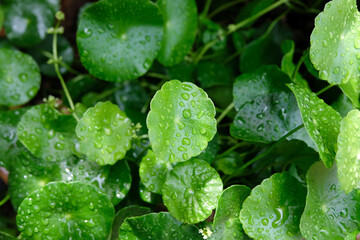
[130, 33]
[19, 77]
[348, 153]
[147, 196]
[211, 74]
[321, 121]
[287, 65]
[227, 223]
[191, 191]
[64, 51]
[8, 135]
[180, 24]
[274, 208]
[124, 213]
[77, 205]
[329, 212]
[153, 172]
[104, 133]
[181, 121]
[266, 108]
[26, 21]
[161, 226]
[46, 133]
[28, 174]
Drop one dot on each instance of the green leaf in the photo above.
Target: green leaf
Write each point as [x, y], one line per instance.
[348, 154]
[147, 196]
[213, 31]
[274, 208]
[329, 212]
[46, 133]
[287, 65]
[129, 33]
[180, 24]
[335, 46]
[181, 121]
[210, 73]
[153, 172]
[124, 213]
[266, 107]
[64, 50]
[26, 21]
[321, 121]
[227, 223]
[28, 174]
[209, 154]
[342, 105]
[183, 71]
[105, 133]
[8, 135]
[159, 226]
[191, 191]
[252, 8]
[19, 77]
[60, 210]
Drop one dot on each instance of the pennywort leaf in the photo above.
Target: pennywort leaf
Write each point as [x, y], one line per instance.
[130, 33]
[77, 205]
[181, 121]
[321, 121]
[19, 77]
[191, 191]
[274, 208]
[104, 133]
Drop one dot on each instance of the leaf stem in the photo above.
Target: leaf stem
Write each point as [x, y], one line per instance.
[236, 146]
[62, 81]
[157, 75]
[4, 200]
[225, 112]
[298, 65]
[235, 27]
[224, 7]
[324, 89]
[206, 7]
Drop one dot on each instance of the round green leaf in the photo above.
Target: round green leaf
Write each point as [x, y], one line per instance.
[266, 108]
[153, 172]
[348, 154]
[329, 213]
[321, 121]
[104, 133]
[126, 212]
[8, 135]
[191, 191]
[19, 77]
[335, 42]
[64, 50]
[180, 24]
[274, 208]
[227, 225]
[181, 121]
[159, 226]
[60, 210]
[26, 21]
[129, 33]
[46, 133]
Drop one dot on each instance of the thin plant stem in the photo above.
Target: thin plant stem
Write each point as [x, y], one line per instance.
[225, 112]
[4, 200]
[236, 146]
[298, 65]
[324, 89]
[157, 75]
[206, 7]
[224, 7]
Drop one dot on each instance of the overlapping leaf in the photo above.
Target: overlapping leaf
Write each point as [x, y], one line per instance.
[274, 208]
[130, 33]
[191, 191]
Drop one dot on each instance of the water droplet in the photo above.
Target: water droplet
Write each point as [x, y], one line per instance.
[357, 44]
[23, 77]
[186, 87]
[186, 113]
[186, 141]
[336, 70]
[185, 96]
[59, 146]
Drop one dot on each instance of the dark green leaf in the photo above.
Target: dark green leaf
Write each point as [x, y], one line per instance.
[19, 77]
[129, 33]
[274, 208]
[78, 207]
[329, 212]
[180, 23]
[321, 121]
[184, 71]
[342, 105]
[46, 133]
[191, 191]
[211, 74]
[159, 226]
[227, 225]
